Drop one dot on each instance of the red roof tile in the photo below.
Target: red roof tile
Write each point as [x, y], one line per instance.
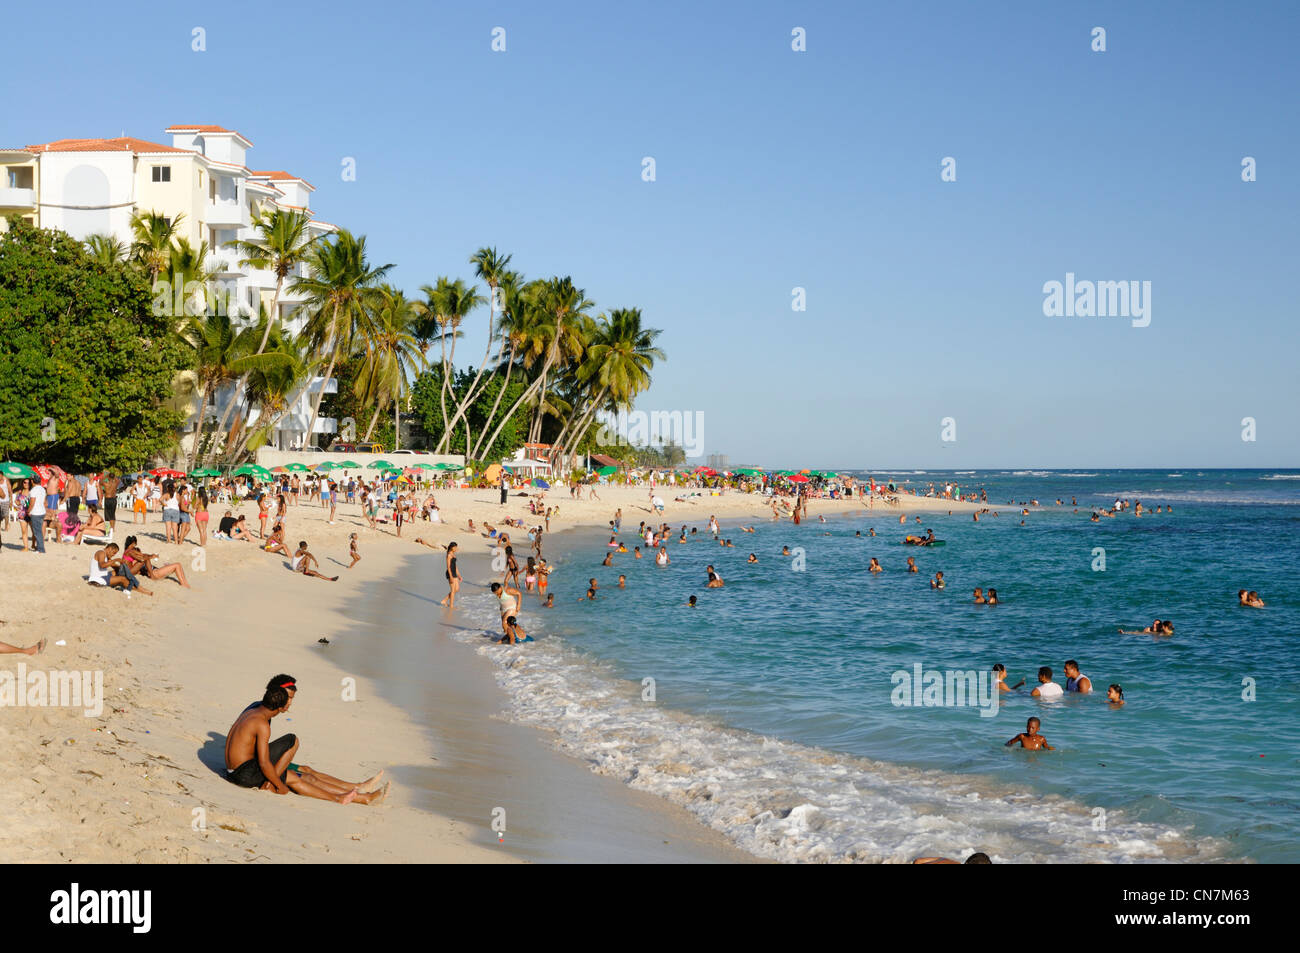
[121, 144]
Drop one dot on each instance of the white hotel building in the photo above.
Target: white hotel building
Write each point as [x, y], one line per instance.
[94, 186]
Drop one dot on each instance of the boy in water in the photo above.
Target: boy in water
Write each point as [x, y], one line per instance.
[691, 602]
[937, 582]
[1030, 738]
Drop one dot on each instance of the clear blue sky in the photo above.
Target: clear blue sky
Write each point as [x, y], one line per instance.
[778, 169]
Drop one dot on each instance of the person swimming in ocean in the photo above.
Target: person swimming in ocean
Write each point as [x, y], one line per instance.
[1115, 695]
[1046, 687]
[622, 581]
[1250, 600]
[937, 582]
[715, 581]
[785, 550]
[1000, 674]
[992, 598]
[514, 633]
[979, 597]
[691, 602]
[911, 564]
[875, 566]
[1074, 680]
[1030, 738]
[752, 558]
[661, 558]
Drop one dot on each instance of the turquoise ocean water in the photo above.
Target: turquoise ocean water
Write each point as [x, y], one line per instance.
[772, 709]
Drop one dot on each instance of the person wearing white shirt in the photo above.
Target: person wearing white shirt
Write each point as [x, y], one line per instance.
[36, 515]
[1046, 687]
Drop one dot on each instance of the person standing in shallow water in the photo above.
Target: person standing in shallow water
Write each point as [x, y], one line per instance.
[453, 578]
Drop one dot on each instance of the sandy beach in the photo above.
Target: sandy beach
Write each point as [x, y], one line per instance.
[141, 781]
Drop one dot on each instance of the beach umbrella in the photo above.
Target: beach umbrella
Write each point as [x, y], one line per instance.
[380, 465]
[253, 469]
[297, 467]
[607, 471]
[449, 466]
[540, 483]
[798, 478]
[166, 472]
[16, 471]
[205, 472]
[425, 466]
[749, 471]
[327, 465]
[348, 465]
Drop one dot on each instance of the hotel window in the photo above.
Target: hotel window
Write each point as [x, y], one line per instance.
[162, 173]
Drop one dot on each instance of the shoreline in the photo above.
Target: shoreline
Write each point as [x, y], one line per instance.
[141, 781]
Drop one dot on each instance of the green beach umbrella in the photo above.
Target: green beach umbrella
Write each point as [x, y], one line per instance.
[348, 465]
[205, 472]
[607, 471]
[16, 471]
[425, 466]
[380, 465]
[252, 469]
[297, 468]
[450, 466]
[327, 465]
[749, 471]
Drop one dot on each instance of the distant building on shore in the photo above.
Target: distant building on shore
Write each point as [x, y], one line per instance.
[718, 461]
[94, 186]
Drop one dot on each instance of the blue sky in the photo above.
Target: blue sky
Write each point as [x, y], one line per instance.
[778, 169]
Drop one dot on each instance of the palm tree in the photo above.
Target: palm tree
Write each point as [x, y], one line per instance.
[490, 266]
[617, 367]
[217, 348]
[152, 239]
[339, 283]
[106, 250]
[546, 330]
[449, 302]
[281, 241]
[392, 354]
[513, 330]
[564, 305]
[274, 386]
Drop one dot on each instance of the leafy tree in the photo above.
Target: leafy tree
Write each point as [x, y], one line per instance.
[81, 347]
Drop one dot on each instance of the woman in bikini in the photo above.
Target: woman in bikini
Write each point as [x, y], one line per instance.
[263, 513]
[512, 567]
[453, 578]
[139, 561]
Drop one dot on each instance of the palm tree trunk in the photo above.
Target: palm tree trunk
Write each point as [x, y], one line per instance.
[374, 419]
[510, 367]
[442, 391]
[198, 429]
[528, 392]
[583, 420]
[329, 371]
[397, 424]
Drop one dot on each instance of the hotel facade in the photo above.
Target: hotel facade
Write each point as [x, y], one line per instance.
[95, 186]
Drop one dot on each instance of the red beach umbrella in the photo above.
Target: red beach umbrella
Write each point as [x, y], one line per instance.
[166, 472]
[798, 478]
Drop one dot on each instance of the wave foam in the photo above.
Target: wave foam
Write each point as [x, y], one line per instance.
[791, 802]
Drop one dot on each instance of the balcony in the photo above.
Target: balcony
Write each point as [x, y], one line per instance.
[17, 198]
[226, 214]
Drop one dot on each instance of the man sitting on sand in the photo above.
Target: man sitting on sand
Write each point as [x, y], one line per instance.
[303, 561]
[254, 761]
